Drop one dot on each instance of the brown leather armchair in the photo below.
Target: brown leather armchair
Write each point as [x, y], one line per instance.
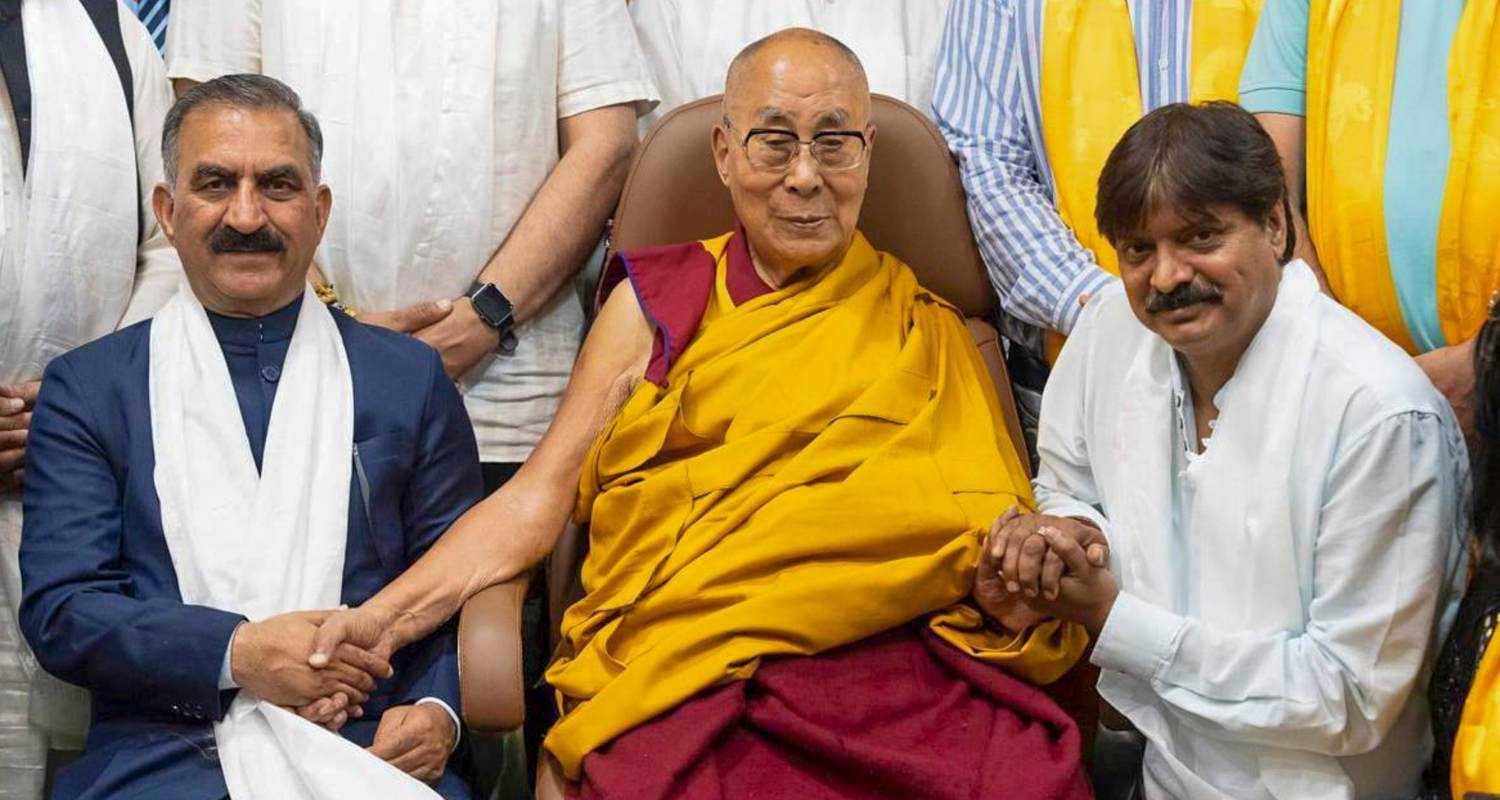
[914, 208]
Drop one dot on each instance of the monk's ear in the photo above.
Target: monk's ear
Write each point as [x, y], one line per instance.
[723, 148]
[162, 204]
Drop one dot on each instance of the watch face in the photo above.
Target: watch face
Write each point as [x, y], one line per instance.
[491, 306]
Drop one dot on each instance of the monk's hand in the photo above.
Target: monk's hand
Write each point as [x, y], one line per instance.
[409, 319]
[367, 628]
[270, 658]
[462, 338]
[1029, 566]
[1010, 609]
[415, 739]
[1086, 591]
[16, 403]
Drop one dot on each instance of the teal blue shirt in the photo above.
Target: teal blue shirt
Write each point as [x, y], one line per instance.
[1417, 148]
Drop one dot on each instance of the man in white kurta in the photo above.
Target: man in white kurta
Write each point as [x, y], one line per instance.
[689, 43]
[73, 266]
[1283, 542]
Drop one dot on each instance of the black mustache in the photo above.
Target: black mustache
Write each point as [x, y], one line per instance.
[1185, 295]
[228, 240]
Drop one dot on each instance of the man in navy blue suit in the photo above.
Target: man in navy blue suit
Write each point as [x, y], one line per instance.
[177, 573]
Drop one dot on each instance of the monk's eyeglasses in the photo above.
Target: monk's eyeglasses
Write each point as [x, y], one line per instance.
[774, 149]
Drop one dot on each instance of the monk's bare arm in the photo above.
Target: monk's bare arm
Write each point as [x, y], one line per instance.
[514, 528]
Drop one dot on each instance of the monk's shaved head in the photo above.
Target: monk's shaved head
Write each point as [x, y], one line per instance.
[758, 60]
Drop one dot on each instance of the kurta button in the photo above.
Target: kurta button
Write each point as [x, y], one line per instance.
[270, 373]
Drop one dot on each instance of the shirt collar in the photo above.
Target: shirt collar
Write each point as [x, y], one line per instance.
[273, 327]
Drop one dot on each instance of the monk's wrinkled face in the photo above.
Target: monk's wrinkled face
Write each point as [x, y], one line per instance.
[1203, 282]
[245, 212]
[799, 202]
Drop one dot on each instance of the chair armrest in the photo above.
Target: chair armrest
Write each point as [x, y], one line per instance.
[491, 684]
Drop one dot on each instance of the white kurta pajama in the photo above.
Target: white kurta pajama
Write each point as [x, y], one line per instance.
[1283, 590]
[689, 43]
[71, 270]
[440, 120]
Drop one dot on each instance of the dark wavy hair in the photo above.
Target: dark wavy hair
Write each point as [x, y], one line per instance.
[1190, 158]
[1486, 455]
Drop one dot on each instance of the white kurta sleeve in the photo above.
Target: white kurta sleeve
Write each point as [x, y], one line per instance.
[1390, 525]
[599, 59]
[158, 269]
[1064, 485]
[210, 38]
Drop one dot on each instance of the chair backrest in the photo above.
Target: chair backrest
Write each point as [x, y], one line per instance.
[914, 208]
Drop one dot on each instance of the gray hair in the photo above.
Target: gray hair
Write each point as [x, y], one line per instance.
[240, 91]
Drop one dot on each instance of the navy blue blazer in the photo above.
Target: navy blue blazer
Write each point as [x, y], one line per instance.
[101, 606]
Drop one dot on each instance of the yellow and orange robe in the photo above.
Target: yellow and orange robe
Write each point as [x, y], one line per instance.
[1090, 90]
[1382, 272]
[803, 470]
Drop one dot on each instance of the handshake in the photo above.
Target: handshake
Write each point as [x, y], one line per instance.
[1036, 567]
[285, 660]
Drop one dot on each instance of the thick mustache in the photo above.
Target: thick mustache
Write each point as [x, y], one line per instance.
[1185, 295]
[229, 240]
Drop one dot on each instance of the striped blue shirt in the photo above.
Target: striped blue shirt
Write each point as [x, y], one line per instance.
[987, 101]
[153, 14]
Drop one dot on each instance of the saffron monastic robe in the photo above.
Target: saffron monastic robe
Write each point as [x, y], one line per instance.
[802, 470]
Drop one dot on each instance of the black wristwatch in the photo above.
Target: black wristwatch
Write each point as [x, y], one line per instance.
[494, 310]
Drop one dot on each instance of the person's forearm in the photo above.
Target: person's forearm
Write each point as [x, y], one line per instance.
[498, 539]
[566, 218]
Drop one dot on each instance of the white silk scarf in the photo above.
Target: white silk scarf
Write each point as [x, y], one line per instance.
[265, 543]
[67, 268]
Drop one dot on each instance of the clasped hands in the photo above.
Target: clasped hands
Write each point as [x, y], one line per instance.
[1036, 567]
[272, 658]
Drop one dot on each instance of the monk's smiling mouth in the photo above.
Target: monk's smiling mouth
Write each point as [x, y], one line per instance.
[805, 221]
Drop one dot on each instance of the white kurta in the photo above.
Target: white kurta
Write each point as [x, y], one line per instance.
[440, 125]
[689, 43]
[1283, 590]
[71, 271]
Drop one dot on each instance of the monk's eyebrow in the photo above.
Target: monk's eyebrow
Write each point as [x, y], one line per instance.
[837, 118]
[773, 116]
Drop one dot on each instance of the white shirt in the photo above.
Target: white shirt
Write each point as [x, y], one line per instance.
[1283, 590]
[156, 267]
[689, 43]
[440, 125]
[94, 288]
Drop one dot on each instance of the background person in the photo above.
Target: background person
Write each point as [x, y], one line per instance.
[689, 43]
[80, 255]
[1387, 119]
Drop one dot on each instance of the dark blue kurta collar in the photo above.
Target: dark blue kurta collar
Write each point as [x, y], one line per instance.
[249, 331]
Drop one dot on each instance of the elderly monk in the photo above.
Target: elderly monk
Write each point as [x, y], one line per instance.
[788, 454]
